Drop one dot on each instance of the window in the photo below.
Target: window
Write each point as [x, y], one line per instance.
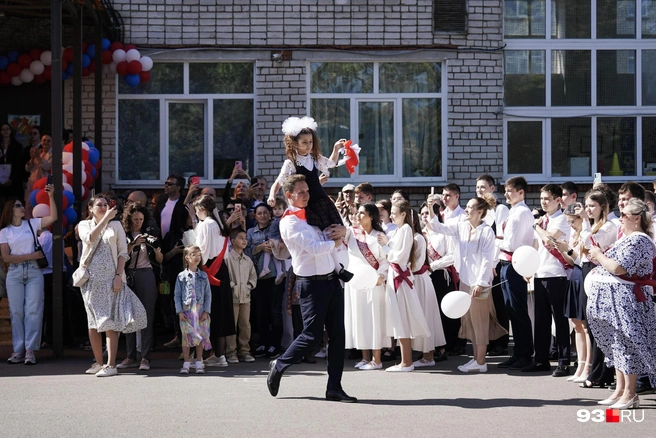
[395, 112]
[190, 118]
[570, 19]
[524, 83]
[570, 78]
[450, 16]
[524, 147]
[524, 18]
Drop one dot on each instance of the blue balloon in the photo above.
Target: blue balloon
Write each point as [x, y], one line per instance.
[4, 62]
[70, 196]
[89, 143]
[132, 80]
[93, 155]
[71, 215]
[69, 69]
[33, 197]
[13, 55]
[106, 43]
[93, 172]
[91, 51]
[86, 61]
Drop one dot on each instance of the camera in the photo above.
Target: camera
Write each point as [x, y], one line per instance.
[539, 213]
[152, 240]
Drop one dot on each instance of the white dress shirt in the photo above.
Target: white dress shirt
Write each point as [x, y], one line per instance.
[604, 237]
[209, 239]
[443, 245]
[456, 214]
[549, 264]
[311, 253]
[518, 230]
[497, 215]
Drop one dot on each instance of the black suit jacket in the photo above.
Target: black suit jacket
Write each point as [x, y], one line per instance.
[178, 218]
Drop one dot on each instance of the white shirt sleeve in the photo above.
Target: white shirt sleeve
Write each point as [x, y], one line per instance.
[286, 170]
[324, 164]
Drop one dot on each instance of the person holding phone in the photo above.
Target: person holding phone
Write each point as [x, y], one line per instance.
[37, 167]
[240, 192]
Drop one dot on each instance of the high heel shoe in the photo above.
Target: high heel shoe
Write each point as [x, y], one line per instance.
[634, 403]
[608, 401]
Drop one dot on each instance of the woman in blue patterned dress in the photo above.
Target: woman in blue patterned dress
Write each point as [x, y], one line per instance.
[620, 310]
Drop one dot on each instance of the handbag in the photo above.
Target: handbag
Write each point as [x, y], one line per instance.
[81, 274]
[43, 261]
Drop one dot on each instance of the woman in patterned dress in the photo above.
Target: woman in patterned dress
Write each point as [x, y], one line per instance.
[620, 310]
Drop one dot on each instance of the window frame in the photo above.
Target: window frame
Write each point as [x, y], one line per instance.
[207, 99]
[397, 177]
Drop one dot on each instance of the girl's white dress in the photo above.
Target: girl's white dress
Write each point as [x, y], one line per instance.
[428, 300]
[404, 315]
[364, 309]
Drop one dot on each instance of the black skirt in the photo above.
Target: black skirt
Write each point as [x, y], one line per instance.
[576, 298]
[223, 318]
[321, 211]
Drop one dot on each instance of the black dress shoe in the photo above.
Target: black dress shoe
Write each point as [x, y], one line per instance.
[561, 371]
[520, 364]
[309, 359]
[440, 356]
[340, 396]
[644, 389]
[273, 379]
[508, 362]
[536, 366]
[497, 351]
[344, 275]
[457, 351]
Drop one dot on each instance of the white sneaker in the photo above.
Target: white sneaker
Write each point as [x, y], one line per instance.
[127, 363]
[222, 362]
[212, 361]
[233, 358]
[200, 368]
[265, 272]
[399, 369]
[107, 371]
[247, 358]
[361, 363]
[144, 365]
[322, 353]
[473, 367]
[423, 363]
[95, 367]
[185, 368]
[372, 366]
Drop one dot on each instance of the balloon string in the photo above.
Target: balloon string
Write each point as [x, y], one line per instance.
[494, 285]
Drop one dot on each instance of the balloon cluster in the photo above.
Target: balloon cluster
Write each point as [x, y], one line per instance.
[89, 171]
[114, 57]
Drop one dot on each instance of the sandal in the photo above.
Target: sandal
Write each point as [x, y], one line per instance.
[589, 384]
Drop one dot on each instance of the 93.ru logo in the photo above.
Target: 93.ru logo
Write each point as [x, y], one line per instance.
[610, 416]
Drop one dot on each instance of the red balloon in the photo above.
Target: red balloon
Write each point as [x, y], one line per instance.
[92, 66]
[145, 76]
[115, 46]
[98, 166]
[39, 79]
[107, 57]
[24, 61]
[89, 181]
[35, 54]
[129, 47]
[84, 47]
[5, 79]
[122, 68]
[14, 69]
[42, 197]
[84, 193]
[85, 155]
[68, 175]
[64, 65]
[87, 166]
[134, 67]
[40, 184]
[64, 202]
[68, 147]
[68, 54]
[85, 72]
[47, 73]
[64, 220]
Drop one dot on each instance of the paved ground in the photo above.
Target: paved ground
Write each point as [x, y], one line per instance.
[54, 398]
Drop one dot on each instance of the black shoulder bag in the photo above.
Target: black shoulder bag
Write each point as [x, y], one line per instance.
[43, 261]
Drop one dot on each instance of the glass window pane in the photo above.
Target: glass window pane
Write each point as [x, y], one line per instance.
[341, 77]
[524, 147]
[333, 117]
[138, 139]
[648, 18]
[616, 77]
[413, 77]
[376, 138]
[233, 135]
[570, 78]
[524, 18]
[649, 146]
[570, 19]
[616, 146]
[221, 78]
[422, 137]
[571, 146]
[165, 78]
[187, 138]
[616, 19]
[524, 81]
[649, 77]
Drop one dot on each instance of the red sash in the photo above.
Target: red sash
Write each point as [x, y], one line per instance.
[421, 270]
[506, 255]
[299, 214]
[639, 282]
[434, 255]
[554, 252]
[216, 264]
[401, 276]
[361, 239]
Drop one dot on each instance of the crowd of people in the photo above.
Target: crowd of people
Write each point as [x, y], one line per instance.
[272, 277]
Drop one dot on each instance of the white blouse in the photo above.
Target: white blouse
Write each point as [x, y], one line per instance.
[444, 247]
[208, 239]
[288, 168]
[604, 237]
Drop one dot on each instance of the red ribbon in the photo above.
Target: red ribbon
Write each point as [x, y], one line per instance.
[421, 270]
[299, 214]
[645, 280]
[401, 276]
[216, 264]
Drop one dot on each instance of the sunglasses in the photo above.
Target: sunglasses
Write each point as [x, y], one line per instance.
[167, 183]
[622, 214]
[18, 205]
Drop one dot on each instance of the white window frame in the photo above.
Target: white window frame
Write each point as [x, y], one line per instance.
[186, 97]
[354, 98]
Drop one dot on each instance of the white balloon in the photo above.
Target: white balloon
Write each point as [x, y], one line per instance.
[26, 75]
[526, 261]
[85, 145]
[364, 276]
[106, 69]
[456, 304]
[146, 63]
[67, 157]
[41, 210]
[118, 55]
[37, 67]
[587, 284]
[343, 258]
[67, 186]
[68, 167]
[46, 57]
[112, 67]
[132, 55]
[16, 80]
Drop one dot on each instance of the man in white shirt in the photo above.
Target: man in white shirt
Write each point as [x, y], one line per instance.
[627, 191]
[321, 295]
[451, 199]
[517, 231]
[551, 284]
[495, 219]
[570, 194]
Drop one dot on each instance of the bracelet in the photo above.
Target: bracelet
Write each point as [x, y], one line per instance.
[117, 275]
[570, 252]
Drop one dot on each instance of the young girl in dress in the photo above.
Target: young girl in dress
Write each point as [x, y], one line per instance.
[193, 302]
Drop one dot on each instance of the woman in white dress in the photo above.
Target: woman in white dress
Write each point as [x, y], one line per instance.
[365, 308]
[404, 316]
[474, 260]
[427, 298]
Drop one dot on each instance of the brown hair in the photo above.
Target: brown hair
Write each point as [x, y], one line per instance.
[600, 199]
[404, 207]
[639, 208]
[7, 213]
[485, 203]
[291, 142]
[289, 184]
[126, 220]
[189, 249]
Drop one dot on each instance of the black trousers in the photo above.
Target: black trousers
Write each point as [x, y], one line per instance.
[266, 305]
[321, 303]
[515, 295]
[451, 326]
[550, 296]
[500, 309]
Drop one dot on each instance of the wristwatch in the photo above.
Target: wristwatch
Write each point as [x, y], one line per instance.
[570, 252]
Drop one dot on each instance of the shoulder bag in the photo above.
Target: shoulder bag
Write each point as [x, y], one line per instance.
[81, 274]
[43, 261]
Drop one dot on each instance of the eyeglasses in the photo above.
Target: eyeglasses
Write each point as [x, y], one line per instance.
[168, 183]
[18, 205]
[622, 214]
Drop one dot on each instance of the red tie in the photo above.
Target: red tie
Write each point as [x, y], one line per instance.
[298, 213]
[545, 223]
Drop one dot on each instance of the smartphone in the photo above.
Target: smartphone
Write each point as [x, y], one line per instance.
[49, 180]
[112, 203]
[237, 207]
[597, 178]
[238, 165]
[194, 180]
